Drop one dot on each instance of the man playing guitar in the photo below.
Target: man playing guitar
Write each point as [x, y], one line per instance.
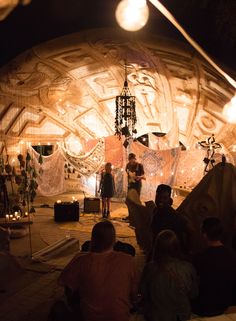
[135, 173]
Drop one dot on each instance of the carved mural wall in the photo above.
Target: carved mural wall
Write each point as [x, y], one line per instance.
[68, 86]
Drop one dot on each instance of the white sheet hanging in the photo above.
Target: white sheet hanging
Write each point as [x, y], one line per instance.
[51, 181]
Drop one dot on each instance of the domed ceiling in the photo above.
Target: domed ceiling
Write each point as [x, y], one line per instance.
[67, 87]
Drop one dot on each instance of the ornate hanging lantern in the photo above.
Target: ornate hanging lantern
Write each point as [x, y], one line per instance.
[125, 119]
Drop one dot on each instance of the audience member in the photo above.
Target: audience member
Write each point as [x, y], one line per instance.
[216, 268]
[168, 282]
[85, 247]
[124, 247]
[103, 279]
[165, 216]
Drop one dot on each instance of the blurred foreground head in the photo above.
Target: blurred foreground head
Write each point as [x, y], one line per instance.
[103, 237]
[163, 195]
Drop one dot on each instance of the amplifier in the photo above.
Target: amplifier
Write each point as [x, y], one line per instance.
[66, 211]
[91, 205]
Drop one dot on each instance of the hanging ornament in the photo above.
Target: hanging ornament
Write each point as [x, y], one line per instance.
[28, 157]
[40, 159]
[210, 145]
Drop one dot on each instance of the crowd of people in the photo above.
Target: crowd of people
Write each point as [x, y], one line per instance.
[101, 283]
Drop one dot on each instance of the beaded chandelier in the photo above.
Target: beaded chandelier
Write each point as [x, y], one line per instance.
[125, 119]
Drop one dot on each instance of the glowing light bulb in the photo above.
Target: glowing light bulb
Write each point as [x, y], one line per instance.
[132, 15]
[229, 111]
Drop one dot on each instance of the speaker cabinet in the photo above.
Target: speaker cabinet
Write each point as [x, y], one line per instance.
[91, 205]
[66, 211]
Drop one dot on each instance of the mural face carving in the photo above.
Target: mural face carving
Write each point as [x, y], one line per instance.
[73, 84]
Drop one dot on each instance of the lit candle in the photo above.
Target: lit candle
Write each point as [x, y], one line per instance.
[11, 216]
[26, 213]
[7, 217]
[58, 201]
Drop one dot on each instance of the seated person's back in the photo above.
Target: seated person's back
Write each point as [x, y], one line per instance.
[216, 268]
[104, 279]
[165, 217]
[168, 282]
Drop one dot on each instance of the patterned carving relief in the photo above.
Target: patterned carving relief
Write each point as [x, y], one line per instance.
[23, 120]
[206, 124]
[73, 83]
[73, 58]
[8, 117]
[103, 84]
[47, 128]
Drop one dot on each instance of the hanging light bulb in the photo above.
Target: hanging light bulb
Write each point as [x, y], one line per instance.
[229, 111]
[132, 15]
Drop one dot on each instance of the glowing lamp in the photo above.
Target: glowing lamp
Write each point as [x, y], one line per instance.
[229, 111]
[132, 15]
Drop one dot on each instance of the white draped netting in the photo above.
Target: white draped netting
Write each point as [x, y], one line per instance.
[169, 166]
[51, 176]
[89, 163]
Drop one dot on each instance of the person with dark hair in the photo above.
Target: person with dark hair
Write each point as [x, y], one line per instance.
[216, 268]
[85, 247]
[107, 189]
[163, 195]
[165, 216]
[118, 246]
[103, 280]
[168, 282]
[135, 172]
[124, 247]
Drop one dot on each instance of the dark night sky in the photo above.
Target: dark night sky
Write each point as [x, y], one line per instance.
[212, 23]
